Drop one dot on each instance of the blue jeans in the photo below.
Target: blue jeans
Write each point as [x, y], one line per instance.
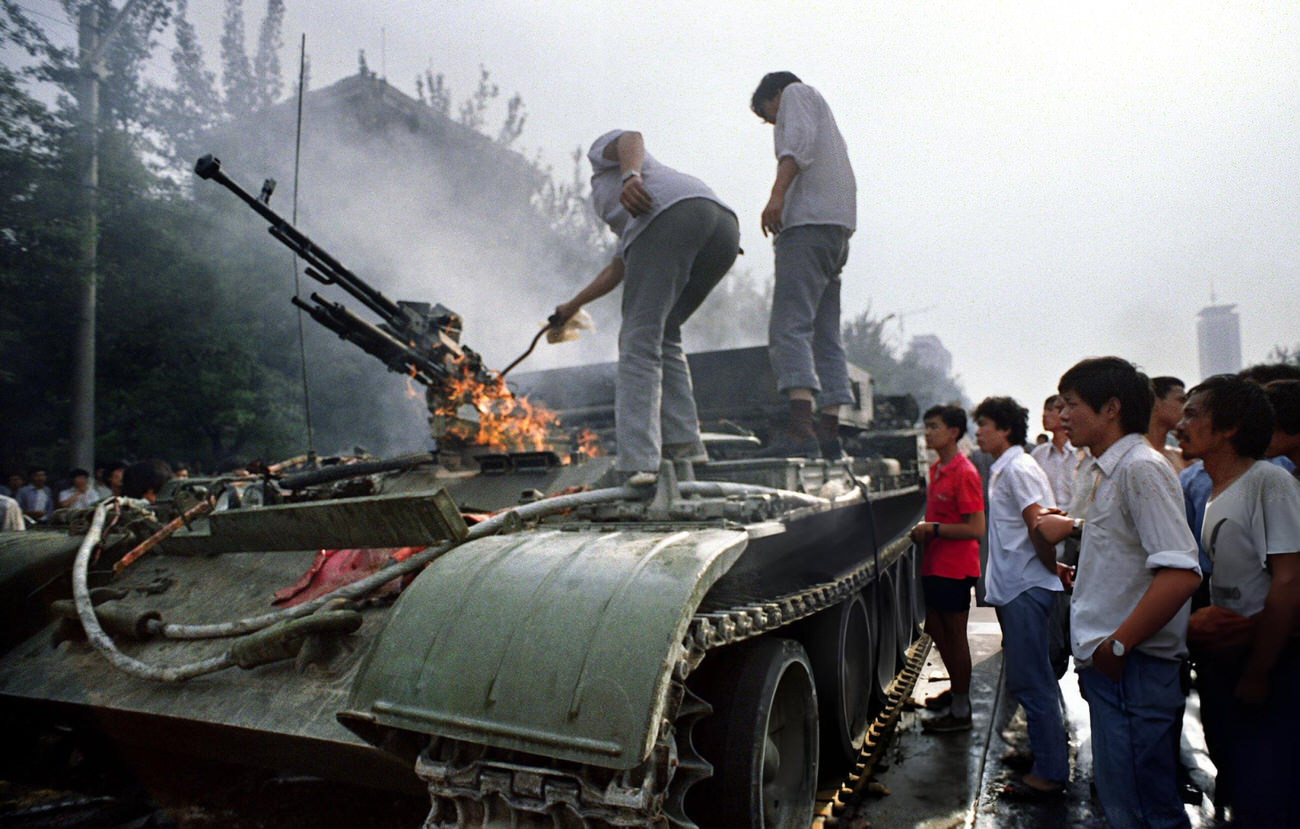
[1026, 624]
[804, 338]
[1135, 728]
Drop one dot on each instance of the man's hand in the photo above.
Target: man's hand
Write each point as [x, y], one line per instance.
[563, 311]
[1065, 573]
[1108, 663]
[772, 214]
[635, 198]
[922, 532]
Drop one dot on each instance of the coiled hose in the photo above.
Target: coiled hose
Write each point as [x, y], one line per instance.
[527, 512]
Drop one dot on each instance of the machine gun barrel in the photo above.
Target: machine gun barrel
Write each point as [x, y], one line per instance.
[372, 340]
[209, 167]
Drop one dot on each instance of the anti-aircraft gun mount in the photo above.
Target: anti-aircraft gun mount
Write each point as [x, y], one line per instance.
[416, 339]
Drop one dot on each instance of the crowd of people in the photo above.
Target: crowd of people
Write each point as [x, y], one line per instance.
[1156, 566]
[28, 500]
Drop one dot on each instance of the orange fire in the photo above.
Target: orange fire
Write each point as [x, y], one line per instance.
[589, 444]
[410, 387]
[505, 422]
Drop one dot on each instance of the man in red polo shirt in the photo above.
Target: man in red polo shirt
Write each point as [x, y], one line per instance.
[954, 523]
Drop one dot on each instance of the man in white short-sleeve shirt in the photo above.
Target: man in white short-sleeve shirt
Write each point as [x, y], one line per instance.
[1021, 581]
[1128, 615]
[1251, 532]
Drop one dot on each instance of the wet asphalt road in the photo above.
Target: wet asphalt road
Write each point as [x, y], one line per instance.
[954, 780]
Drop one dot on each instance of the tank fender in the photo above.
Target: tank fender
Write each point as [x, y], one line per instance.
[557, 643]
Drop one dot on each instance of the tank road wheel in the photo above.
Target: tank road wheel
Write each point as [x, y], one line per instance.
[761, 739]
[879, 597]
[839, 645]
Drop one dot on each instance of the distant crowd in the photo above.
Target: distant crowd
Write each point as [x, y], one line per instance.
[1154, 535]
[30, 499]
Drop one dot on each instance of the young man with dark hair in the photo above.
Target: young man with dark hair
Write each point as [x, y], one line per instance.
[950, 565]
[1057, 456]
[1252, 533]
[1128, 615]
[1022, 583]
[35, 497]
[79, 494]
[1284, 395]
[1166, 411]
[812, 212]
[144, 479]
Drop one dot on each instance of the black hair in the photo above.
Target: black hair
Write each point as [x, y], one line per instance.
[1284, 395]
[73, 473]
[1268, 372]
[144, 476]
[1098, 379]
[1052, 400]
[769, 88]
[1235, 402]
[1162, 385]
[1007, 414]
[954, 417]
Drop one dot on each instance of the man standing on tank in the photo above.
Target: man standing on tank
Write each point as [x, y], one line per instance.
[676, 242]
[811, 212]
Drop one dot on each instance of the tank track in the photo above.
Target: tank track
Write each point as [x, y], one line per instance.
[471, 785]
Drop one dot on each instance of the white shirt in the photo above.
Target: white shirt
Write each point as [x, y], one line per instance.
[825, 191]
[1059, 464]
[11, 515]
[665, 185]
[1135, 525]
[1015, 482]
[82, 499]
[1256, 516]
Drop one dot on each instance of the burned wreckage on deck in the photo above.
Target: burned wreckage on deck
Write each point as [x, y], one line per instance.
[513, 631]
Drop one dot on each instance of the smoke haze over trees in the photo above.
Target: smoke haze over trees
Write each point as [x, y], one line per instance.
[425, 197]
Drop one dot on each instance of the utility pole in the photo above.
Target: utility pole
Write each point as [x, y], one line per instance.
[90, 66]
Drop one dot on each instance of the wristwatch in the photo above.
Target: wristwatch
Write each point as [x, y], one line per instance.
[936, 530]
[1117, 648]
[629, 173]
[1076, 530]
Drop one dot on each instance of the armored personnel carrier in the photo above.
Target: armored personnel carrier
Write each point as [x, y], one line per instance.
[516, 632]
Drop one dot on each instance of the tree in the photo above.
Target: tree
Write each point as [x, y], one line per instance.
[1282, 354]
[236, 75]
[267, 83]
[473, 107]
[866, 345]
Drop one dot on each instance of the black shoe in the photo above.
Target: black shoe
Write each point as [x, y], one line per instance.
[939, 701]
[1021, 761]
[833, 450]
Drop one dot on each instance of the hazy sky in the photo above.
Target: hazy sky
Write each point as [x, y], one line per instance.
[1036, 184]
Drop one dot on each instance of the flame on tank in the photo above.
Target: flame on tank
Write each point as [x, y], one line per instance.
[505, 423]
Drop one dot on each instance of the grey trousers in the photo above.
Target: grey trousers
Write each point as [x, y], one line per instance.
[804, 340]
[670, 269]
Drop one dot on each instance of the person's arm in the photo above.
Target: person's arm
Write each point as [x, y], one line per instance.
[1044, 549]
[1273, 626]
[971, 527]
[629, 151]
[607, 280]
[1165, 596]
[786, 171]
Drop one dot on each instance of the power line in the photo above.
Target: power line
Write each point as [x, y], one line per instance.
[49, 17]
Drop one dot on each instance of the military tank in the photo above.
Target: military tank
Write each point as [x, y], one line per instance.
[515, 632]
